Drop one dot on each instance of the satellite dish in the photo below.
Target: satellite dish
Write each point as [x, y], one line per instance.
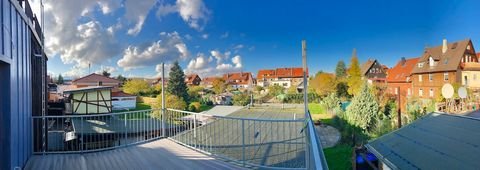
[447, 91]
[462, 92]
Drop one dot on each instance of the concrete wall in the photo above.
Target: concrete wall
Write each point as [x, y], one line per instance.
[20, 88]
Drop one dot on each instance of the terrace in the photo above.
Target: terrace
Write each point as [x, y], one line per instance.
[265, 137]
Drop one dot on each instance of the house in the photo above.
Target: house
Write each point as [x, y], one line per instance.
[207, 82]
[454, 63]
[435, 141]
[284, 77]
[240, 80]
[96, 80]
[158, 81]
[399, 82]
[88, 100]
[223, 99]
[373, 71]
[193, 80]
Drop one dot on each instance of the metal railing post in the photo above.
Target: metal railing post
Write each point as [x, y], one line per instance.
[81, 142]
[125, 129]
[163, 101]
[195, 130]
[243, 142]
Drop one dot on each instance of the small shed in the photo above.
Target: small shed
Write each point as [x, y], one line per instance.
[436, 141]
[89, 100]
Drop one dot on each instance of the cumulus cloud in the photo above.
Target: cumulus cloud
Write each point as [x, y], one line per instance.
[208, 67]
[75, 72]
[197, 63]
[158, 69]
[73, 34]
[193, 12]
[108, 69]
[169, 48]
[220, 56]
[137, 12]
[237, 60]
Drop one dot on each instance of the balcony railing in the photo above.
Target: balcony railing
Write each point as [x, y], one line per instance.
[249, 142]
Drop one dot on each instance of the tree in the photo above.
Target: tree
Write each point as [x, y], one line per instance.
[275, 90]
[363, 110]
[60, 79]
[292, 90]
[258, 89]
[323, 84]
[354, 80]
[176, 82]
[121, 78]
[219, 85]
[135, 86]
[241, 99]
[106, 73]
[318, 73]
[194, 92]
[171, 101]
[340, 70]
[342, 90]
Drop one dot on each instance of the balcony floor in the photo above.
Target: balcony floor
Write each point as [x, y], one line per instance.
[159, 154]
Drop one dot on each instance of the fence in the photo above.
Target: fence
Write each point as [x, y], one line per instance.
[249, 142]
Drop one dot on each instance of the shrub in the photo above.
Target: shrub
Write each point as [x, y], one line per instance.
[194, 106]
[241, 99]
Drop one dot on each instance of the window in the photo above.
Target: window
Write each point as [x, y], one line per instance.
[100, 83]
[445, 76]
[431, 61]
[420, 65]
[431, 92]
[396, 91]
[420, 77]
[420, 92]
[430, 77]
[285, 84]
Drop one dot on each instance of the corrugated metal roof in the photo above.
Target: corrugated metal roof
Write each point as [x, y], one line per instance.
[436, 141]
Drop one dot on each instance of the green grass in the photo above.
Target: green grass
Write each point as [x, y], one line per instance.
[317, 108]
[339, 157]
[204, 107]
[140, 115]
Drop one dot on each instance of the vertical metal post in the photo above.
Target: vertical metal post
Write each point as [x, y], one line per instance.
[195, 130]
[81, 144]
[399, 112]
[125, 129]
[305, 99]
[243, 142]
[163, 100]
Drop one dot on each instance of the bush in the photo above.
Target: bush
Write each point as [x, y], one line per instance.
[172, 101]
[194, 106]
[241, 99]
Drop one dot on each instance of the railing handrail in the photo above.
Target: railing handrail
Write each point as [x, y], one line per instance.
[94, 115]
[317, 150]
[238, 118]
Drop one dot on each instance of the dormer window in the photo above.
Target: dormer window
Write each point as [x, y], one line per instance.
[431, 61]
[420, 65]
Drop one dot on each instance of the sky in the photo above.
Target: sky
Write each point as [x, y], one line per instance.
[207, 37]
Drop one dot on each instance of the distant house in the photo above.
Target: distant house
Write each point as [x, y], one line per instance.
[373, 71]
[454, 63]
[435, 141]
[223, 99]
[284, 77]
[158, 81]
[240, 80]
[207, 82]
[96, 80]
[399, 82]
[192, 80]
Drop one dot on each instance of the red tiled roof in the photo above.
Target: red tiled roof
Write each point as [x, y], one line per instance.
[293, 72]
[238, 78]
[121, 94]
[402, 70]
[209, 80]
[189, 78]
[95, 78]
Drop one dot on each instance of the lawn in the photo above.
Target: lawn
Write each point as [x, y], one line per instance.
[339, 157]
[316, 108]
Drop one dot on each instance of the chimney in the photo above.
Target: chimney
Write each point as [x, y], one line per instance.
[445, 46]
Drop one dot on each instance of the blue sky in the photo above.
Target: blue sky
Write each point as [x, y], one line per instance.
[213, 37]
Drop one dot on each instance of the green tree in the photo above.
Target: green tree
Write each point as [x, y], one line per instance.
[171, 101]
[135, 86]
[176, 82]
[292, 90]
[121, 78]
[354, 80]
[60, 79]
[258, 89]
[105, 73]
[194, 92]
[363, 110]
[241, 99]
[340, 70]
[275, 90]
[219, 85]
[342, 90]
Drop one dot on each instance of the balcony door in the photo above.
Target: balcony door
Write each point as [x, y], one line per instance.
[4, 115]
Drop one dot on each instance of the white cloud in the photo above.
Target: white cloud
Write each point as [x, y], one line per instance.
[108, 69]
[197, 63]
[205, 36]
[237, 60]
[78, 42]
[137, 12]
[75, 72]
[193, 12]
[158, 69]
[169, 48]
